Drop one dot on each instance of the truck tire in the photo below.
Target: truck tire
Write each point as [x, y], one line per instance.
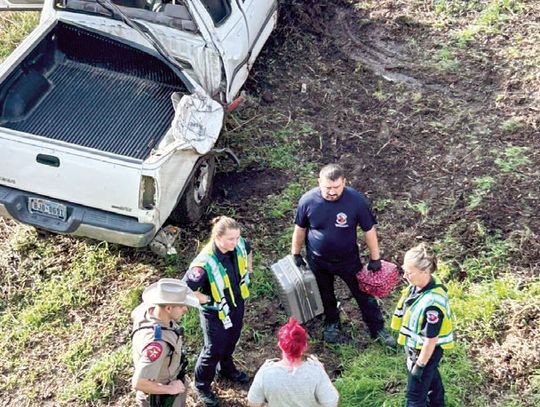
[197, 194]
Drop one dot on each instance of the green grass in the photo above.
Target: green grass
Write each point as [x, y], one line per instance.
[513, 158]
[446, 60]
[99, 381]
[14, 27]
[512, 125]
[373, 379]
[482, 186]
[421, 207]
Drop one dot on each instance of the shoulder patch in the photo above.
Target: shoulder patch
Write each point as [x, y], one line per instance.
[432, 317]
[196, 274]
[153, 351]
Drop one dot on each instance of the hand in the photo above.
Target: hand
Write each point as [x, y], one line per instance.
[299, 260]
[417, 371]
[176, 387]
[374, 265]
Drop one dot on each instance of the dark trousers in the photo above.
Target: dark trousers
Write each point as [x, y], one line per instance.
[325, 274]
[429, 390]
[219, 345]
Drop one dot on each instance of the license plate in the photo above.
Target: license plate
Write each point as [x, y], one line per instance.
[47, 208]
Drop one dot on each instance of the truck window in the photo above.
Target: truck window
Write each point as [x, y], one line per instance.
[219, 10]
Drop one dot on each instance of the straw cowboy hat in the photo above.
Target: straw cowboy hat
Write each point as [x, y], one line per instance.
[170, 291]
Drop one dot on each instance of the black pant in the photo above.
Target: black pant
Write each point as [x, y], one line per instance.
[429, 390]
[325, 274]
[219, 345]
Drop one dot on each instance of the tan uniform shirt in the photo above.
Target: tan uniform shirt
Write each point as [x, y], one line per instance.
[157, 360]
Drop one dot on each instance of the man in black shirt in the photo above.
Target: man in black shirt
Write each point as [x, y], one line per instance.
[326, 220]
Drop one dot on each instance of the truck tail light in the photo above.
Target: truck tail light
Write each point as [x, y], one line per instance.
[147, 193]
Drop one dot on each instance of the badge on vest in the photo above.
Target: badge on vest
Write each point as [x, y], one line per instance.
[227, 323]
[341, 220]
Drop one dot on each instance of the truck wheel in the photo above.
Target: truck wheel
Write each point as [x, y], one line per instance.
[196, 197]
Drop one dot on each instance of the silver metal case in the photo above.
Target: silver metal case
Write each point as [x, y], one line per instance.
[298, 290]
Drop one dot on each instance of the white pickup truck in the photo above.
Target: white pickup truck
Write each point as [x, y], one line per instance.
[109, 110]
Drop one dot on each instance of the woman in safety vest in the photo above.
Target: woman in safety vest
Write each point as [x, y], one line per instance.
[220, 277]
[424, 322]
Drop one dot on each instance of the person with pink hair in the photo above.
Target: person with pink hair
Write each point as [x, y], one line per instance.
[292, 381]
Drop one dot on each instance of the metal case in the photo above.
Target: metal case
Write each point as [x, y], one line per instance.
[298, 290]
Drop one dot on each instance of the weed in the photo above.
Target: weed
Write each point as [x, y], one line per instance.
[14, 27]
[482, 186]
[446, 60]
[99, 381]
[474, 305]
[263, 283]
[76, 357]
[421, 207]
[512, 158]
[131, 299]
[381, 204]
[512, 125]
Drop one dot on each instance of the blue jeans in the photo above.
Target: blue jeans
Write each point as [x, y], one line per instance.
[429, 390]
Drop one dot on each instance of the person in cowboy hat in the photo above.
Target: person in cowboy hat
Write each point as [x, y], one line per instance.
[157, 344]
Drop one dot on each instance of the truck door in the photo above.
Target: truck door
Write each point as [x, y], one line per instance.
[21, 5]
[261, 16]
[225, 23]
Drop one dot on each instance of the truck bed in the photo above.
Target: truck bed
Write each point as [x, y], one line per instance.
[83, 88]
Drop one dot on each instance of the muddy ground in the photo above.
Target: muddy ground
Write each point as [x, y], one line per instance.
[406, 131]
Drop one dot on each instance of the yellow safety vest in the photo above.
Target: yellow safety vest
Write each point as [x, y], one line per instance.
[217, 275]
[409, 323]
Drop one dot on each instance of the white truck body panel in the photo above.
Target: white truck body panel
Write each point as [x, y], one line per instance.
[106, 189]
[83, 177]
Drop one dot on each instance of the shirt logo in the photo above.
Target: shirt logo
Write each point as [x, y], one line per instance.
[153, 351]
[432, 317]
[341, 220]
[196, 274]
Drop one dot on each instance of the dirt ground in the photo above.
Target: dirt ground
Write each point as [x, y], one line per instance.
[406, 131]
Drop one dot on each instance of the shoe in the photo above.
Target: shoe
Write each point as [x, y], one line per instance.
[384, 337]
[331, 333]
[238, 377]
[208, 398]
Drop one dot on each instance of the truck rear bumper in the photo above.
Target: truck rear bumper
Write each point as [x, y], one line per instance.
[80, 220]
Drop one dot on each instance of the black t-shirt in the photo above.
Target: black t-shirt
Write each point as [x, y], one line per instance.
[197, 278]
[433, 316]
[332, 225]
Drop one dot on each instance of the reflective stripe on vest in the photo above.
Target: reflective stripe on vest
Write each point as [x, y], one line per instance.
[218, 278]
[409, 323]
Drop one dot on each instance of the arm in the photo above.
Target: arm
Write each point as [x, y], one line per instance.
[250, 263]
[151, 387]
[372, 243]
[203, 298]
[427, 351]
[298, 239]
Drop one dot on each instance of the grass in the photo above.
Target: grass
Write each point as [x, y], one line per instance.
[482, 186]
[99, 381]
[512, 159]
[14, 27]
